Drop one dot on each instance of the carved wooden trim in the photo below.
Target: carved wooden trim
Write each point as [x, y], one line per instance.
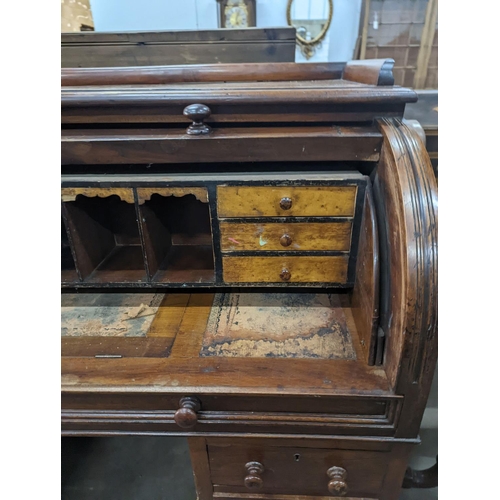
[152, 75]
[405, 181]
[200, 193]
[370, 71]
[70, 194]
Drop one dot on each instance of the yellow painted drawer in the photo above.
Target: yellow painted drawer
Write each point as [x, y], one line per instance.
[286, 269]
[280, 201]
[288, 236]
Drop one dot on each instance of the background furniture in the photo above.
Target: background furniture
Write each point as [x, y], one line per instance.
[94, 49]
[406, 31]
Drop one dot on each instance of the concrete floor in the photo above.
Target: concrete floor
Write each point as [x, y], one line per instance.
[159, 468]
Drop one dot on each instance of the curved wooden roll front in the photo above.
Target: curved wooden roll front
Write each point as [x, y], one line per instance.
[405, 192]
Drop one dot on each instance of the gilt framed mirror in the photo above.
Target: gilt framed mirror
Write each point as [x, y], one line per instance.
[312, 20]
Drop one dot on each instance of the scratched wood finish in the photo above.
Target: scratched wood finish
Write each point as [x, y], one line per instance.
[120, 324]
[270, 236]
[262, 201]
[278, 325]
[365, 294]
[406, 198]
[331, 269]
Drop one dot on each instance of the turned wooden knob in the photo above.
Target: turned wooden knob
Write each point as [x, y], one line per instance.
[285, 274]
[197, 113]
[186, 416]
[286, 240]
[253, 481]
[337, 485]
[285, 203]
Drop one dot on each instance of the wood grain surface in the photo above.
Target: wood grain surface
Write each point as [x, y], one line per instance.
[331, 269]
[268, 236]
[264, 201]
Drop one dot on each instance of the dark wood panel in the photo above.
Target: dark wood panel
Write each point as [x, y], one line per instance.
[287, 470]
[253, 45]
[406, 198]
[296, 144]
[365, 294]
[201, 73]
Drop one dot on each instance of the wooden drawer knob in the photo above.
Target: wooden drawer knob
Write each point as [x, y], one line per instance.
[186, 417]
[285, 203]
[286, 240]
[285, 274]
[197, 113]
[253, 481]
[337, 485]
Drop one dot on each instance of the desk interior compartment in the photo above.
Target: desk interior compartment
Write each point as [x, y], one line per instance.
[68, 268]
[105, 235]
[177, 234]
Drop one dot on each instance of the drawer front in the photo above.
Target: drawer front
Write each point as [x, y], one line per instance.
[286, 269]
[108, 412]
[282, 201]
[291, 236]
[296, 469]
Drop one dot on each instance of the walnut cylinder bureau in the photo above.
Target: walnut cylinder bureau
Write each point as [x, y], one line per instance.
[249, 260]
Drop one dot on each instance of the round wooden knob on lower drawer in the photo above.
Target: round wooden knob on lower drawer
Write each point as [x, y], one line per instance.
[286, 240]
[337, 485]
[253, 481]
[285, 203]
[186, 417]
[285, 274]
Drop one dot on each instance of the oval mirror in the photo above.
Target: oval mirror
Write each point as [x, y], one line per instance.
[311, 19]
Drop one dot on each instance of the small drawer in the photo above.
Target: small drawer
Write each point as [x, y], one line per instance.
[286, 269]
[238, 467]
[282, 201]
[291, 236]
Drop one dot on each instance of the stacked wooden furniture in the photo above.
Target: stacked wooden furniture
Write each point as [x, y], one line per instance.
[249, 259]
[149, 48]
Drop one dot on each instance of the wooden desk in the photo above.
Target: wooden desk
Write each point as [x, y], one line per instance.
[250, 261]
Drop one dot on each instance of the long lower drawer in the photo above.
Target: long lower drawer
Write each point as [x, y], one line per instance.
[105, 413]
